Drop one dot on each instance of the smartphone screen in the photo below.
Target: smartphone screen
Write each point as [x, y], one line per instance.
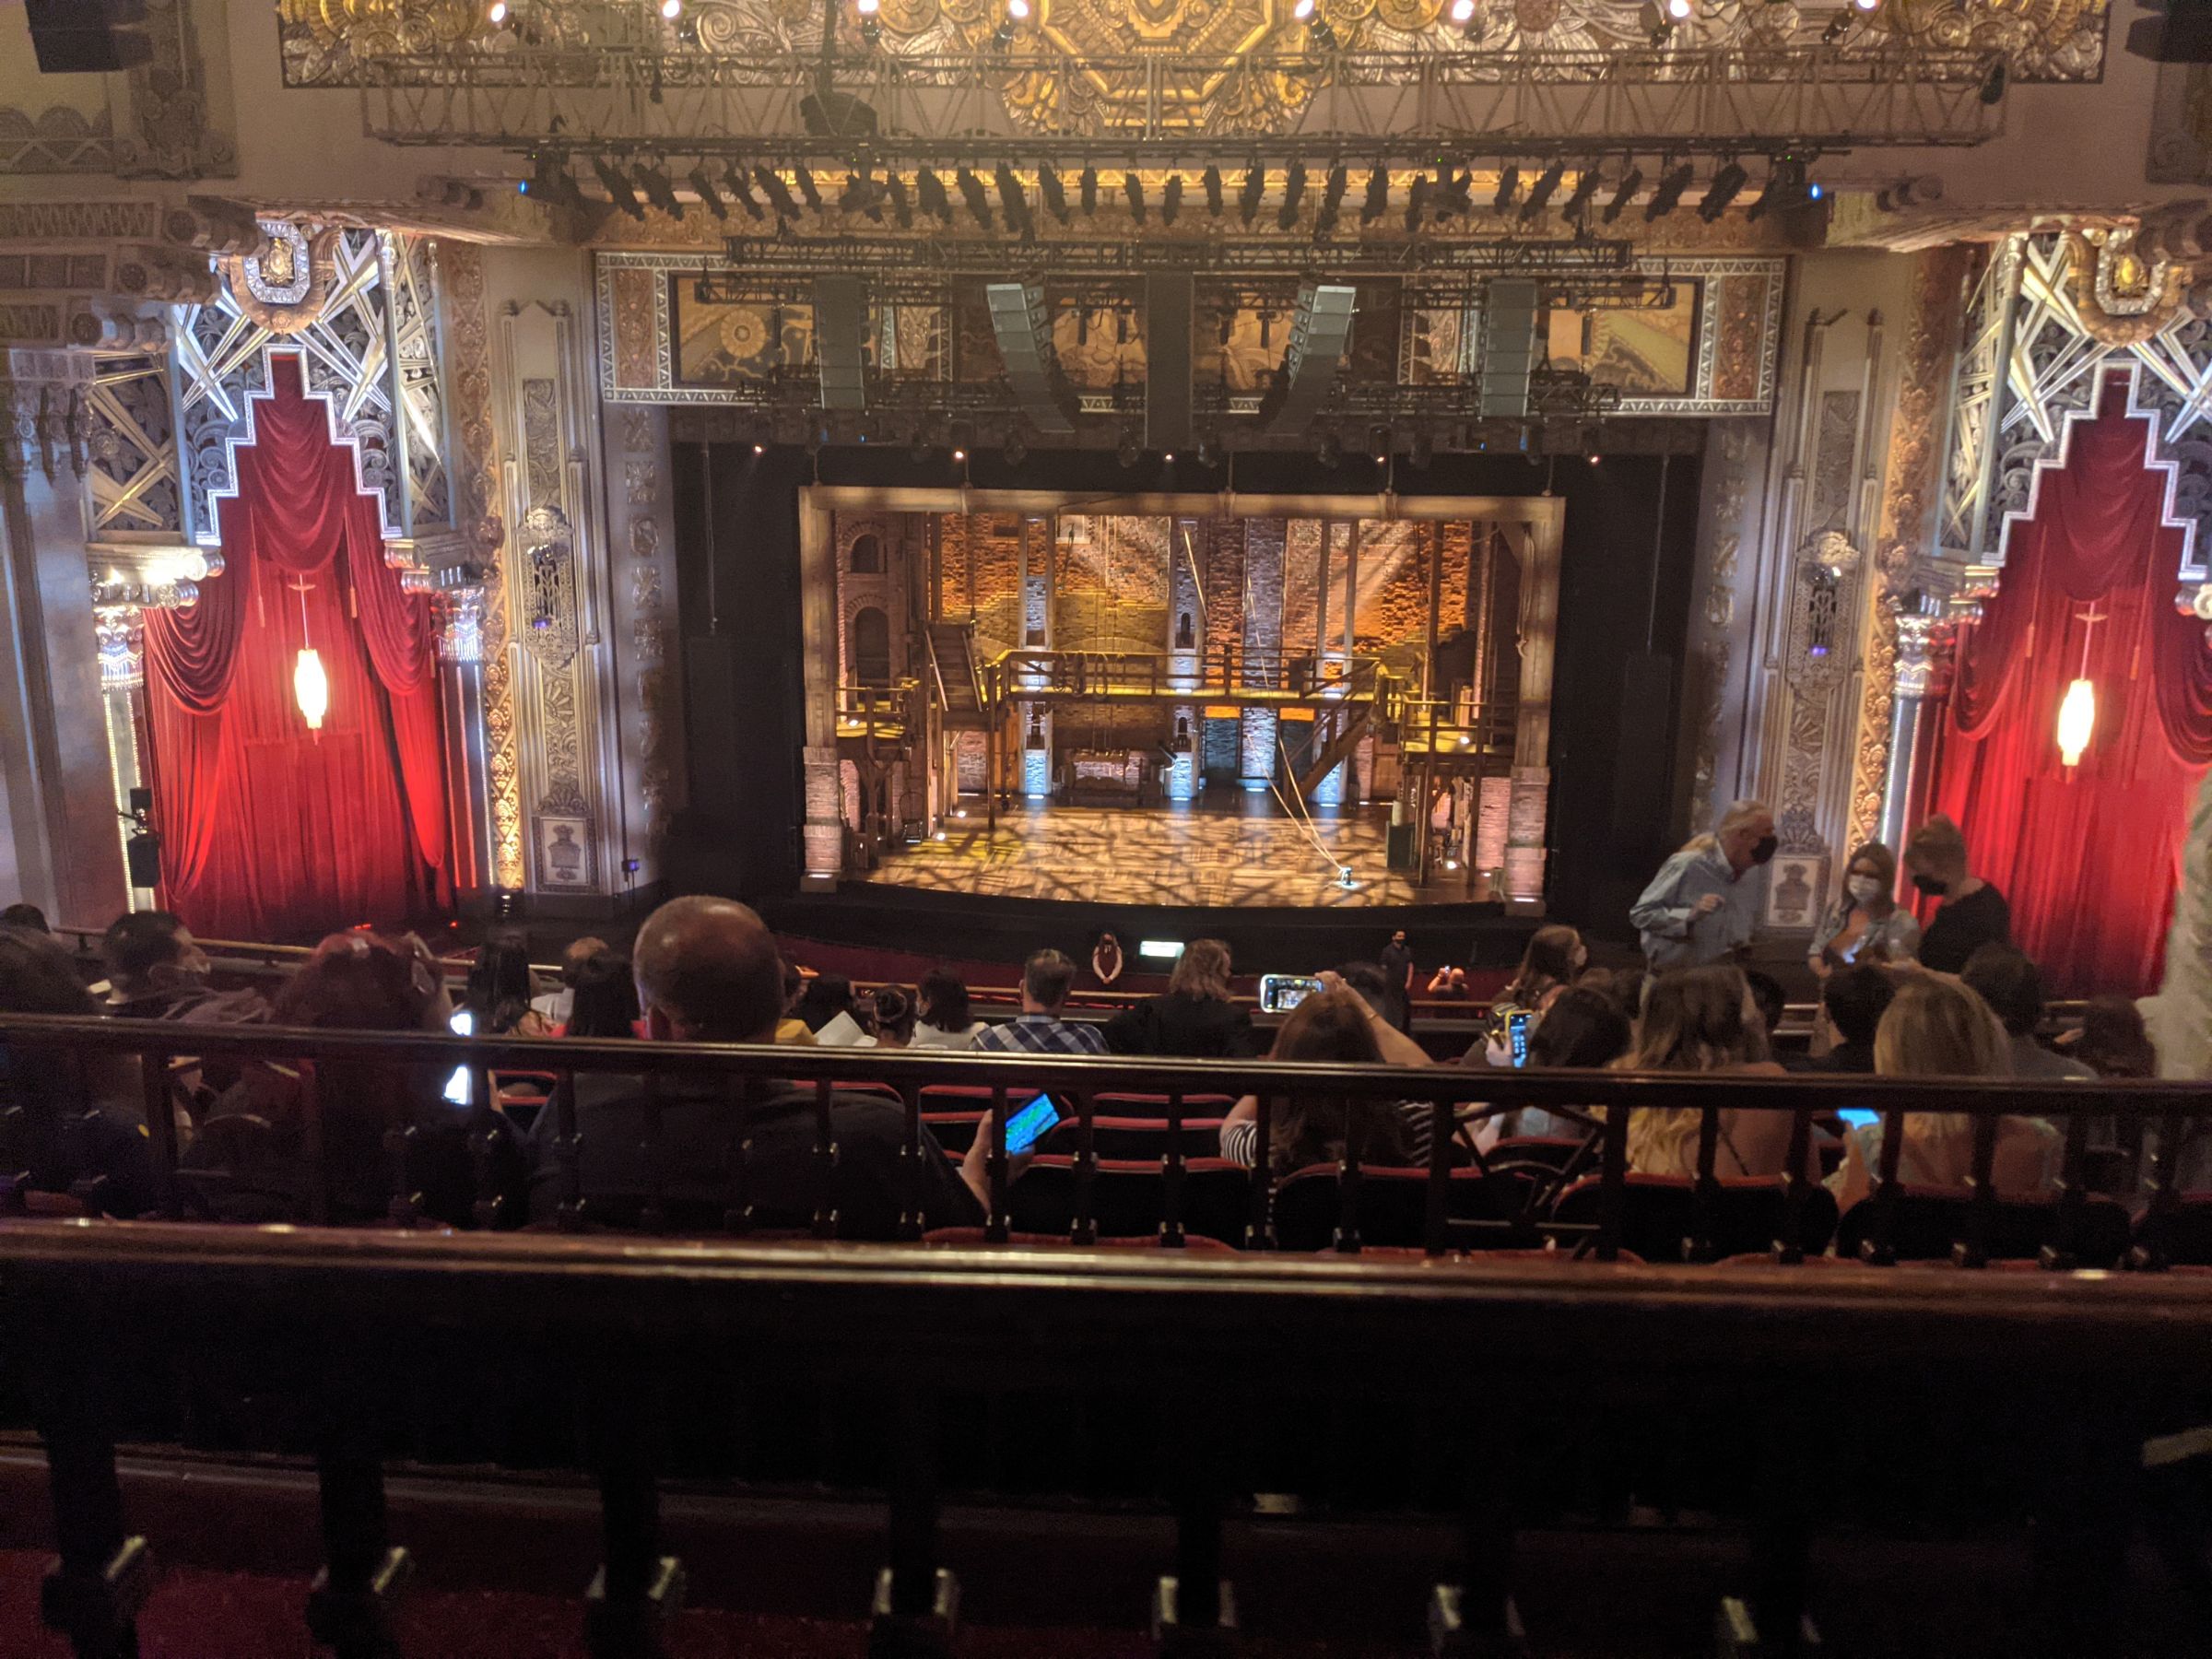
[1031, 1125]
[1280, 992]
[1858, 1117]
[1516, 1035]
[462, 1024]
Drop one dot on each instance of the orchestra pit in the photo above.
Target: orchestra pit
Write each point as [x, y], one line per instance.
[1076, 828]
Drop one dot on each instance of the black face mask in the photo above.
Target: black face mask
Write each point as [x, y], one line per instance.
[1764, 847]
[1934, 886]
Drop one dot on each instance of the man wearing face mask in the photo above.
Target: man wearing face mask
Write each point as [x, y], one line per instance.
[1701, 906]
[1974, 913]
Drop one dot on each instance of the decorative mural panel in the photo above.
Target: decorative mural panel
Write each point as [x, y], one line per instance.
[413, 302]
[1982, 366]
[1711, 351]
[131, 447]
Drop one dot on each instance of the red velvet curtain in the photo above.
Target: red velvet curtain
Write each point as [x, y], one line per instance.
[2087, 854]
[270, 831]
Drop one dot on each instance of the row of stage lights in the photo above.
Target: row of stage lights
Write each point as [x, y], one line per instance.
[1379, 444]
[760, 191]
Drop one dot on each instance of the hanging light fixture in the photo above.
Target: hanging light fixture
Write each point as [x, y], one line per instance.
[310, 686]
[2077, 708]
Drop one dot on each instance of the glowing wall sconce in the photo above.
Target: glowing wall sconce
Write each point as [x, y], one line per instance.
[2077, 708]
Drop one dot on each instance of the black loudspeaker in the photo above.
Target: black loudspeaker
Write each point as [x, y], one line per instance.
[1168, 360]
[141, 852]
[87, 37]
[1641, 802]
[2183, 35]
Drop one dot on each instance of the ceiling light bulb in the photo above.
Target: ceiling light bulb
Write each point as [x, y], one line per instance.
[868, 8]
[1867, 5]
[1018, 10]
[1302, 9]
[672, 9]
[498, 11]
[1462, 12]
[1679, 10]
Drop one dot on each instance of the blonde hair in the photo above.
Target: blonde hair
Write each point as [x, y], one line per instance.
[1738, 814]
[1692, 1020]
[1202, 970]
[1940, 1026]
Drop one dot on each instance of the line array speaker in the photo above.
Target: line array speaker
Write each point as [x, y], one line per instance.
[1321, 337]
[1168, 360]
[1025, 346]
[87, 37]
[840, 328]
[1508, 347]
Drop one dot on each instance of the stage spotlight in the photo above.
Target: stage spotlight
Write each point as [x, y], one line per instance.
[1332, 200]
[671, 10]
[1508, 186]
[1786, 189]
[1129, 452]
[1053, 192]
[778, 195]
[1623, 193]
[870, 25]
[971, 192]
[929, 195]
[1167, 458]
[551, 182]
[1540, 193]
[1332, 448]
[1655, 23]
[1669, 194]
[1016, 452]
[1454, 194]
[808, 187]
[1417, 202]
[1170, 198]
[1294, 193]
[1002, 38]
[1838, 26]
[1133, 188]
[659, 190]
[1866, 5]
[1377, 201]
[1992, 83]
[1721, 189]
[496, 13]
[1211, 181]
[902, 206]
[1577, 204]
[862, 195]
[617, 188]
[1422, 450]
[741, 186]
[702, 186]
[1462, 12]
[1377, 445]
[1014, 202]
[1248, 198]
[1087, 189]
[1679, 10]
[760, 449]
[1018, 10]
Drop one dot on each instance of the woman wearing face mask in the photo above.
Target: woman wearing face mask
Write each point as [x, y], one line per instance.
[1973, 912]
[1866, 924]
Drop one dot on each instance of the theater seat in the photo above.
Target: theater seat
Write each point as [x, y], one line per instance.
[1128, 1198]
[1132, 1140]
[1930, 1220]
[1393, 1208]
[1660, 1215]
[1155, 1106]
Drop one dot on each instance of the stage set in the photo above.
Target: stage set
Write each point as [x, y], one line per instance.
[1179, 700]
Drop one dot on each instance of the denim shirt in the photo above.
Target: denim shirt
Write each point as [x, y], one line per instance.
[1672, 933]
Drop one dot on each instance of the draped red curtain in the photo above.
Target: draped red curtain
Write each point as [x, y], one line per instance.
[270, 831]
[2087, 854]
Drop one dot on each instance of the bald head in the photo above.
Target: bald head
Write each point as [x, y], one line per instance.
[707, 969]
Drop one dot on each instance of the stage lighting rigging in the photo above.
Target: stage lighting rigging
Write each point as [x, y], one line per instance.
[871, 25]
[1721, 190]
[1132, 187]
[1623, 193]
[1417, 202]
[1332, 200]
[741, 186]
[1786, 189]
[1540, 193]
[1015, 203]
[1294, 193]
[702, 186]
[1508, 186]
[902, 206]
[971, 192]
[1376, 202]
[1211, 180]
[778, 194]
[1087, 187]
[929, 195]
[1667, 195]
[1578, 201]
[1248, 199]
[1170, 198]
[1378, 445]
[617, 188]
[1053, 192]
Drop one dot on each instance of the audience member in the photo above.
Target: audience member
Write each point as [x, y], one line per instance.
[257, 1137]
[1396, 962]
[2114, 1041]
[894, 1016]
[602, 997]
[1554, 956]
[1853, 1000]
[1772, 1003]
[1937, 1026]
[1702, 905]
[945, 1022]
[1866, 924]
[1196, 1018]
[498, 994]
[1045, 980]
[826, 997]
[1972, 913]
[1702, 1019]
[707, 971]
[554, 1005]
[1367, 982]
[1585, 1029]
[1448, 985]
[51, 1130]
[1335, 1026]
[1106, 960]
[155, 971]
[791, 1028]
[28, 917]
[2003, 977]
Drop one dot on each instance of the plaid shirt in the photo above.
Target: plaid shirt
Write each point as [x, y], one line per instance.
[1041, 1034]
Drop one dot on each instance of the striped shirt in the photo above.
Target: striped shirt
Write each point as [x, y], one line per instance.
[1238, 1139]
[1041, 1034]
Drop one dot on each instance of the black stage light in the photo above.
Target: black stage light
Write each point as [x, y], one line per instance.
[1211, 180]
[1332, 200]
[1015, 203]
[1721, 189]
[1508, 186]
[1578, 201]
[929, 195]
[1378, 194]
[1623, 193]
[659, 189]
[1321, 35]
[1087, 189]
[1053, 192]
[1002, 38]
[1294, 193]
[741, 186]
[778, 194]
[1133, 188]
[1417, 202]
[551, 182]
[971, 192]
[1455, 193]
[617, 187]
[1378, 443]
[1129, 453]
[1784, 189]
[1170, 198]
[1330, 450]
[1540, 193]
[902, 205]
[1248, 198]
[808, 187]
[1838, 26]
[1992, 83]
[1669, 194]
[702, 186]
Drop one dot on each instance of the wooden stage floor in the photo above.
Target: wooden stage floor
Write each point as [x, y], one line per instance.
[1234, 849]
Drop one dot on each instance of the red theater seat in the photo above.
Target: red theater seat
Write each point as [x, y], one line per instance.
[1393, 1206]
[1750, 1213]
[1129, 1198]
[1930, 1220]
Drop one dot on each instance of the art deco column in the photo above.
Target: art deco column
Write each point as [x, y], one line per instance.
[1916, 640]
[60, 847]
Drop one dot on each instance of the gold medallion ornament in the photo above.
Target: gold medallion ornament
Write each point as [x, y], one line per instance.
[283, 285]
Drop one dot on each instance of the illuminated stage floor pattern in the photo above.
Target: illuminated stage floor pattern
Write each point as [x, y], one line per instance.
[1164, 856]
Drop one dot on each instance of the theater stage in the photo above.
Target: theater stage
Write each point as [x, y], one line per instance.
[1234, 848]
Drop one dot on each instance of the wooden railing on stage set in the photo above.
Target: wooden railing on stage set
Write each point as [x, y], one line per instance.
[1226, 674]
[1455, 1379]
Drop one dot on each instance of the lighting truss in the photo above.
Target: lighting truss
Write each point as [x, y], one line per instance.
[1182, 107]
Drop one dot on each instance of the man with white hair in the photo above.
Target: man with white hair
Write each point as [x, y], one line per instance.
[1701, 906]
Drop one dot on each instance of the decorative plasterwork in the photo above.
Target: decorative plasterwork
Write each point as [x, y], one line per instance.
[1983, 357]
[59, 140]
[1712, 626]
[131, 444]
[1738, 335]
